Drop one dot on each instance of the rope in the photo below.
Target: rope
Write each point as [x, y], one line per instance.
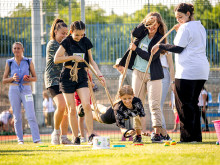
[106, 90]
[151, 57]
[125, 70]
[96, 110]
[74, 72]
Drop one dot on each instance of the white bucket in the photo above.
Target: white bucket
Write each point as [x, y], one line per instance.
[101, 142]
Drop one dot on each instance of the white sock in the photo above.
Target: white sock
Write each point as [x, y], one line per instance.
[63, 136]
[57, 131]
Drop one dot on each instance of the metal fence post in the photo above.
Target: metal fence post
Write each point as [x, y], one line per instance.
[37, 60]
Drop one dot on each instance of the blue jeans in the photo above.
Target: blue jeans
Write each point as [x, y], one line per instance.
[165, 89]
[24, 96]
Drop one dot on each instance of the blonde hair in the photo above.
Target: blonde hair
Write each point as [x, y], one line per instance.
[17, 43]
[162, 28]
[125, 90]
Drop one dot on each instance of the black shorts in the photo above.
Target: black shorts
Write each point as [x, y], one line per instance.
[69, 86]
[54, 90]
[108, 117]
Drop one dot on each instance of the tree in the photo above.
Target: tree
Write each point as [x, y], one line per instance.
[20, 11]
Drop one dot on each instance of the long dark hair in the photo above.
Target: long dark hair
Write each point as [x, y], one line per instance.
[184, 8]
[76, 25]
[57, 24]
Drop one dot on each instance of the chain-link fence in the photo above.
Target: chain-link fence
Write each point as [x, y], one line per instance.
[108, 26]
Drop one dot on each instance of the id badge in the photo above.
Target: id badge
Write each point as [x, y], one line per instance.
[144, 47]
[79, 54]
[29, 98]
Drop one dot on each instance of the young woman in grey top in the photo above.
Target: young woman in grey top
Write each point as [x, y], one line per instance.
[52, 74]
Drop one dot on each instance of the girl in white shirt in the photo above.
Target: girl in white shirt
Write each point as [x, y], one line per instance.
[192, 70]
[48, 109]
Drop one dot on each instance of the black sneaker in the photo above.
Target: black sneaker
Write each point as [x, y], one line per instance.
[76, 141]
[156, 138]
[90, 141]
[166, 137]
[137, 139]
[81, 112]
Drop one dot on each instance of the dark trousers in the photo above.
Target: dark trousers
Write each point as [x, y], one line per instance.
[186, 99]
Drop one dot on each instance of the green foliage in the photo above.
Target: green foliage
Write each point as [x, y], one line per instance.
[20, 11]
[111, 37]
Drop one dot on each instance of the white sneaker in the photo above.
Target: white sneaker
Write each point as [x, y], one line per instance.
[83, 139]
[55, 138]
[21, 142]
[65, 141]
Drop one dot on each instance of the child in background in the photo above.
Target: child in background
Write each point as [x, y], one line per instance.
[48, 109]
[7, 121]
[203, 105]
[176, 120]
[120, 69]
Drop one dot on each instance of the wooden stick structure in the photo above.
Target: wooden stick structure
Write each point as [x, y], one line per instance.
[151, 57]
[106, 90]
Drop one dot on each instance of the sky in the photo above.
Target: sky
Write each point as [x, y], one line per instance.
[130, 6]
[118, 6]
[8, 5]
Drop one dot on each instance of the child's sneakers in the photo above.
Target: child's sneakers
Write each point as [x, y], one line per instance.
[166, 137]
[81, 112]
[137, 139]
[156, 138]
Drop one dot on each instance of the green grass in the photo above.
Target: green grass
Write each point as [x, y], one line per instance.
[205, 153]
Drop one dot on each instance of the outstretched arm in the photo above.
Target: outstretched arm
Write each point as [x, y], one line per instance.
[95, 66]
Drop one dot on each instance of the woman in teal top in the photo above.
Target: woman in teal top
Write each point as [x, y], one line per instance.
[146, 38]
